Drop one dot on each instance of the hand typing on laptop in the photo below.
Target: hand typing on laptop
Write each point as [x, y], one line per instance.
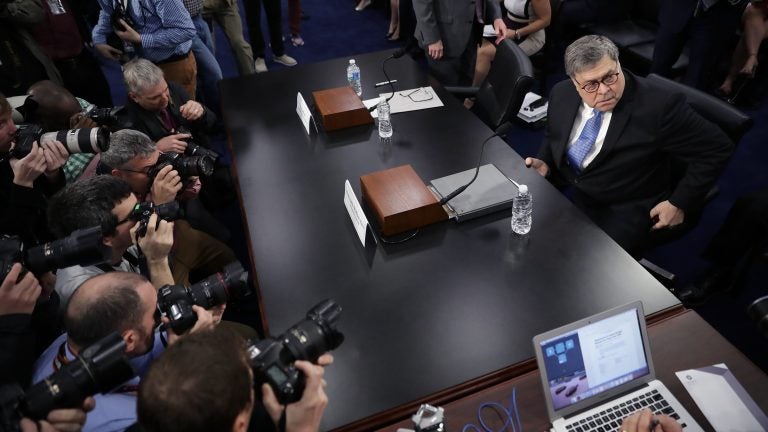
[644, 420]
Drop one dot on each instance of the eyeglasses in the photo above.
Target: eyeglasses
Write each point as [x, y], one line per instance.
[144, 170]
[421, 94]
[592, 86]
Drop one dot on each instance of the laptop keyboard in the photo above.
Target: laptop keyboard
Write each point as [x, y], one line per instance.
[609, 419]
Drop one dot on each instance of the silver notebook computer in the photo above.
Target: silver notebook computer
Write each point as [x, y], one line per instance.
[599, 370]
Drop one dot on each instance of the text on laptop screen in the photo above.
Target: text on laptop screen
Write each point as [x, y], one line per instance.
[594, 358]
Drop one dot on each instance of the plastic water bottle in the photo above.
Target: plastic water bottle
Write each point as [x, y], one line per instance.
[522, 207]
[353, 76]
[385, 123]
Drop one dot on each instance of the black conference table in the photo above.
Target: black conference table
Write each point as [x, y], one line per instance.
[458, 303]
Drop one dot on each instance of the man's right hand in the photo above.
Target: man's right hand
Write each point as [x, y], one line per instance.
[18, 297]
[306, 414]
[108, 51]
[435, 50]
[166, 185]
[642, 421]
[61, 420]
[539, 165]
[173, 143]
[28, 168]
[157, 242]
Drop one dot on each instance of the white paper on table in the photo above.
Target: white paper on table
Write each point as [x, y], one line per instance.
[355, 211]
[722, 399]
[420, 98]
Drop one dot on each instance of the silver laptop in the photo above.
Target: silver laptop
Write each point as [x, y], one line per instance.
[599, 370]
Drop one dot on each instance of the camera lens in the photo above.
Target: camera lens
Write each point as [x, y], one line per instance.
[194, 166]
[83, 247]
[88, 140]
[100, 368]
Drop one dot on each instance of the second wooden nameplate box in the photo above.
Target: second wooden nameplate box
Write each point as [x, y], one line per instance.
[341, 108]
[400, 200]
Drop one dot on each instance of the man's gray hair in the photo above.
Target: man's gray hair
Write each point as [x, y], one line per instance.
[124, 145]
[587, 51]
[140, 73]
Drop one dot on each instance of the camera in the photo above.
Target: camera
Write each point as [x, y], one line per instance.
[185, 166]
[82, 247]
[103, 116]
[88, 140]
[194, 149]
[98, 369]
[142, 211]
[272, 359]
[175, 301]
[758, 312]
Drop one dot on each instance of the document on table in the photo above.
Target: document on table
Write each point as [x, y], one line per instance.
[722, 399]
[408, 100]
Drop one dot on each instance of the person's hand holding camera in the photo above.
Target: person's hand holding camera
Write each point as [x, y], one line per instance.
[55, 157]
[157, 242]
[81, 121]
[306, 414]
[127, 33]
[18, 297]
[166, 185]
[205, 321]
[28, 168]
[173, 143]
[61, 420]
[191, 110]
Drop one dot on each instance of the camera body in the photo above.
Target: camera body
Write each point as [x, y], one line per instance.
[185, 166]
[98, 369]
[272, 360]
[194, 149]
[142, 211]
[175, 301]
[82, 247]
[103, 116]
[87, 140]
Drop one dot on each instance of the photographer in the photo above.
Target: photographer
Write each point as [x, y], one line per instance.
[132, 156]
[108, 202]
[159, 108]
[120, 302]
[182, 393]
[27, 181]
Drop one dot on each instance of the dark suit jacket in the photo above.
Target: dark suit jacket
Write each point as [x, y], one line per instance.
[649, 128]
[450, 21]
[133, 116]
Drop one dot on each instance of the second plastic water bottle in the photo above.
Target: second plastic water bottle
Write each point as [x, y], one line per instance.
[385, 123]
[522, 209]
[353, 76]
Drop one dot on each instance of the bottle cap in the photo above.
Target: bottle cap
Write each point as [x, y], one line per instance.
[351, 61]
[382, 99]
[522, 189]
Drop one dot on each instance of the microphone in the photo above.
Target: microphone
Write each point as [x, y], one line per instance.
[395, 55]
[501, 130]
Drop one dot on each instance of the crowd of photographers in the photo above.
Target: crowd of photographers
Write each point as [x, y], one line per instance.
[116, 276]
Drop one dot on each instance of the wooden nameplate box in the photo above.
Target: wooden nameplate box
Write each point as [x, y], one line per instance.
[341, 108]
[400, 200]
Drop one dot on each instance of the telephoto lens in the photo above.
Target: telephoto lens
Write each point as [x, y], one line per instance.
[83, 247]
[88, 140]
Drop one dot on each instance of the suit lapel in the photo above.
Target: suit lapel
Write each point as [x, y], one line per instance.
[619, 119]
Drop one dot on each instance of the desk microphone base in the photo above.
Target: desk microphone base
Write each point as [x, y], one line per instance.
[400, 200]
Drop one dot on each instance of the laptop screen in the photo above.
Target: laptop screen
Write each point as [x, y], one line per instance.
[594, 358]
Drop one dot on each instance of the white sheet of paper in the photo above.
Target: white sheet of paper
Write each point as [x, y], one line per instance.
[420, 98]
[488, 31]
[302, 109]
[722, 399]
[359, 221]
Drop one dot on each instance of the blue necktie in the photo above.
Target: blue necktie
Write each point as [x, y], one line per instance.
[586, 140]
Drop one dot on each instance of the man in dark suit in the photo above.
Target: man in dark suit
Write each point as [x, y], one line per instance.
[611, 138]
[450, 30]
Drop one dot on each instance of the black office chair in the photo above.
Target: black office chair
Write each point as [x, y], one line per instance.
[500, 96]
[732, 121]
